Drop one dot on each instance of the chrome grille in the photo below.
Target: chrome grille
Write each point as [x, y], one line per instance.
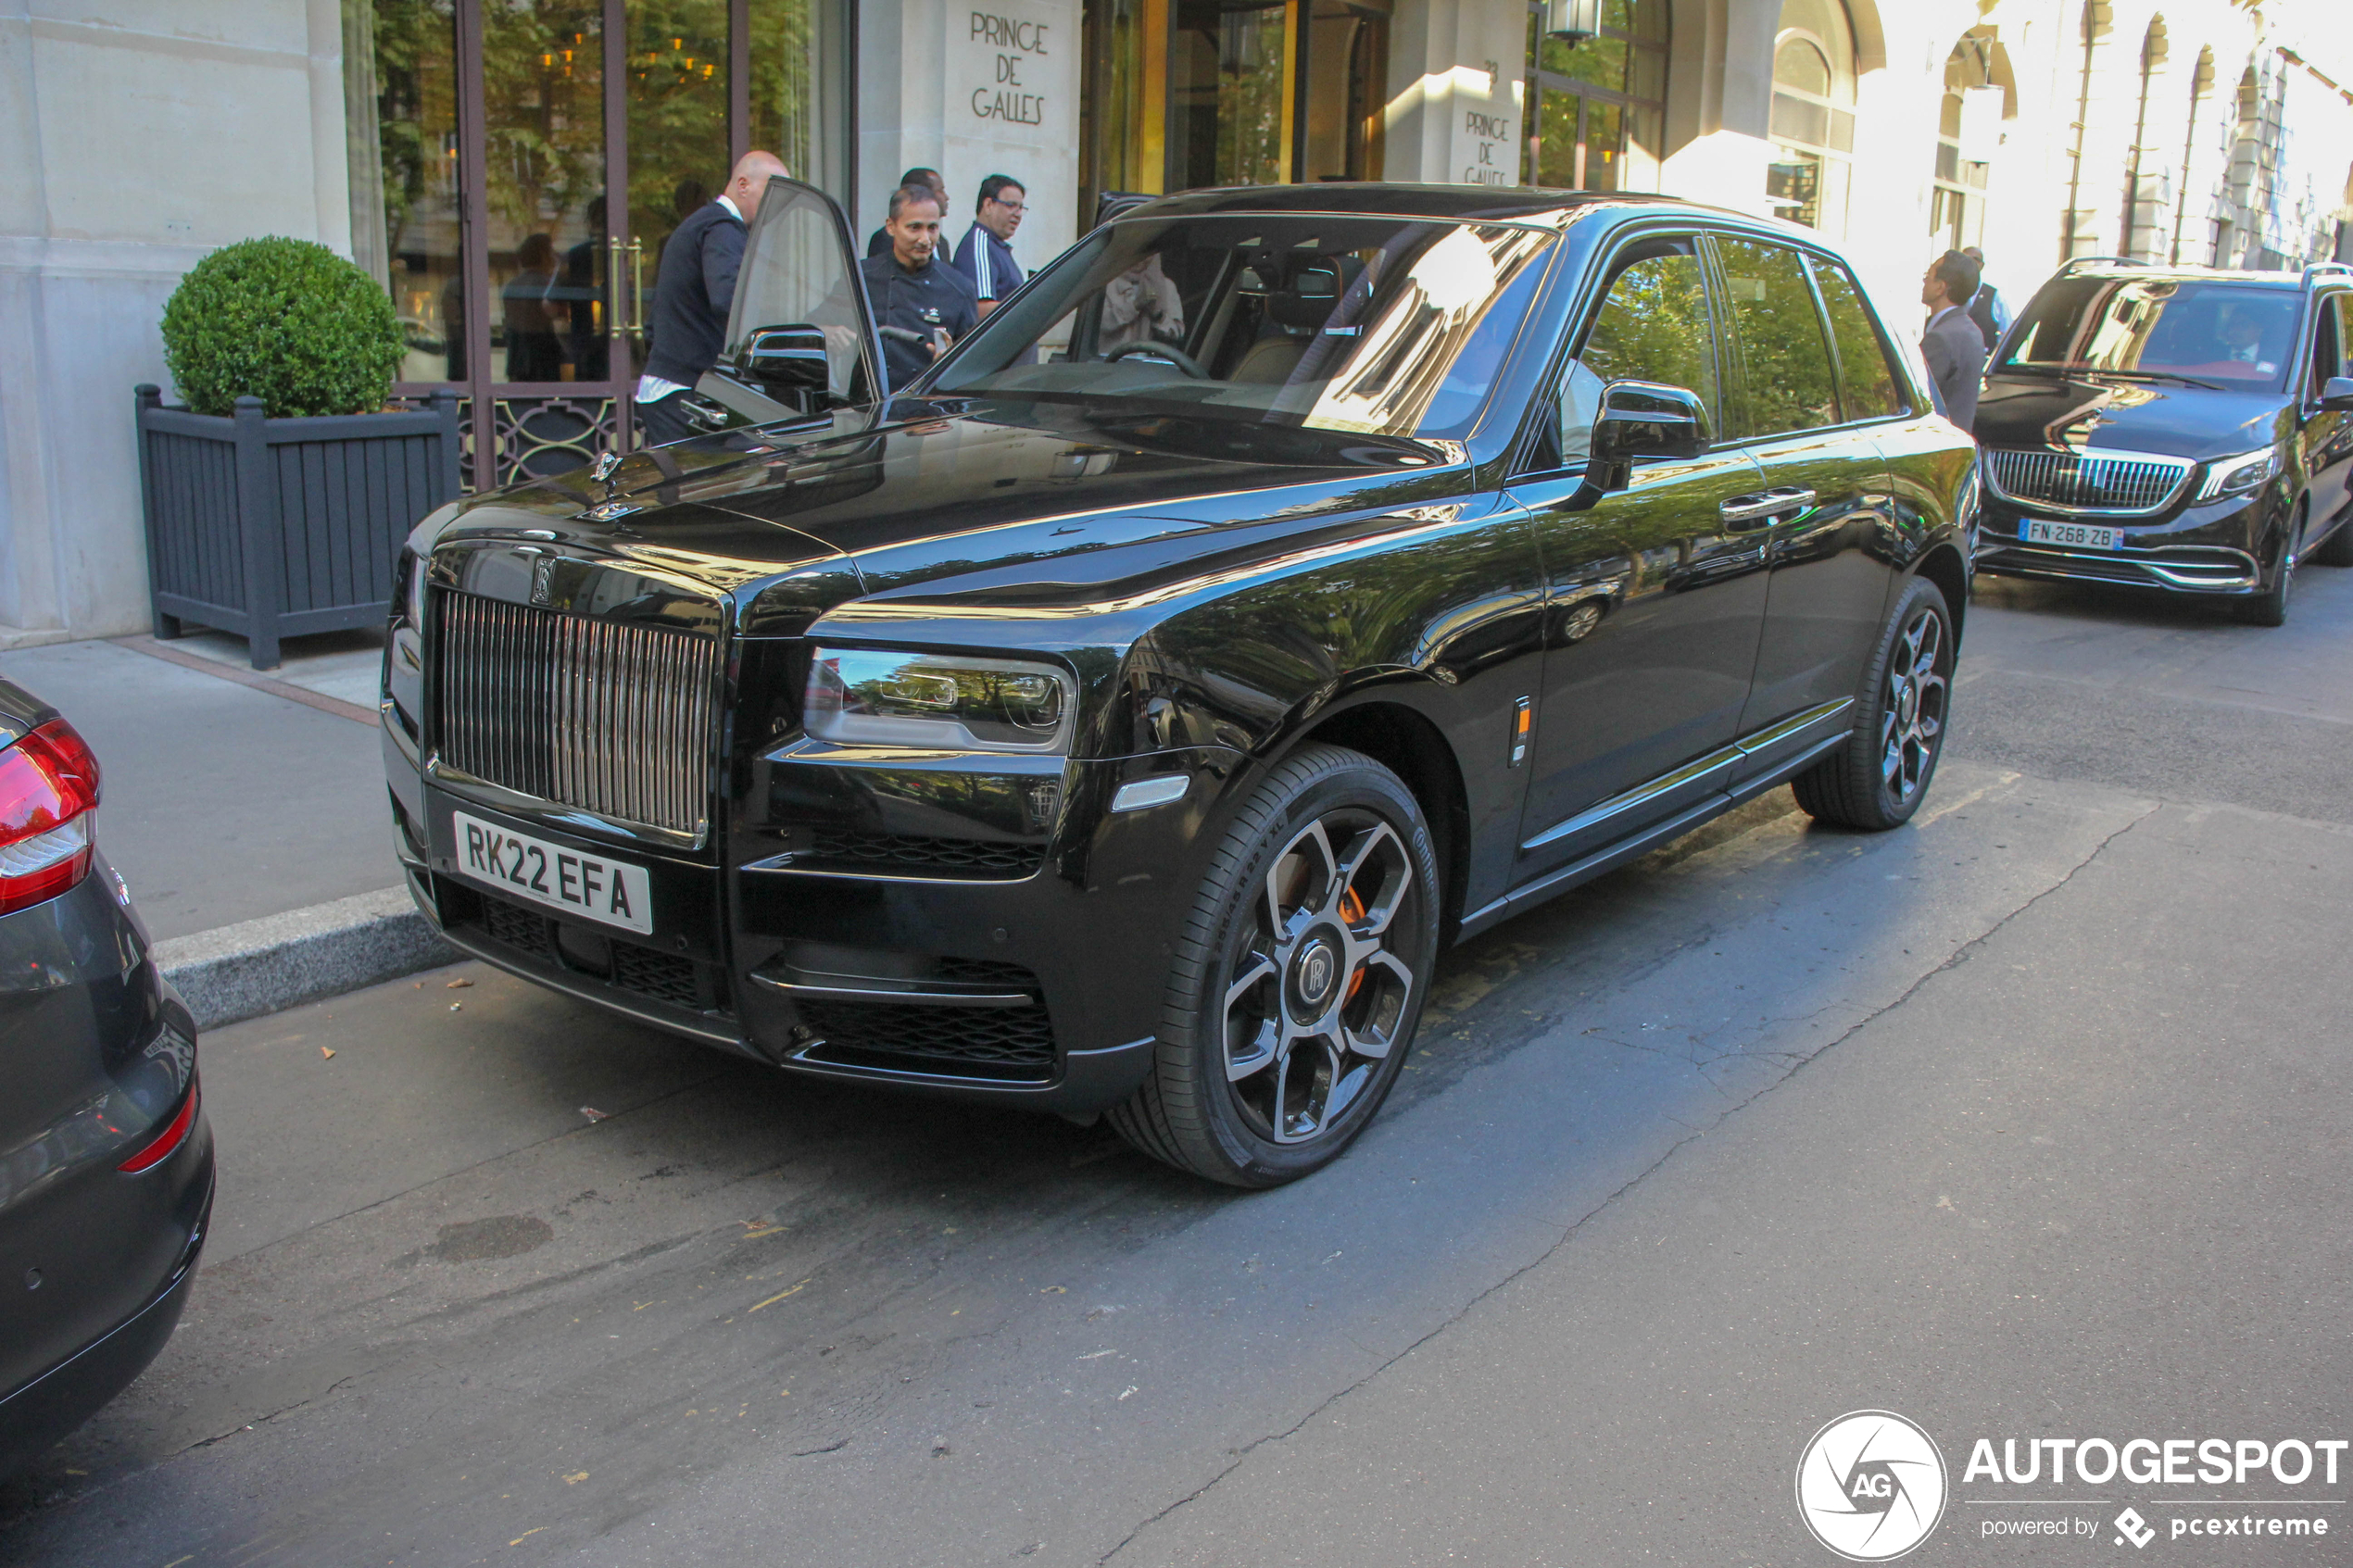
[610, 719]
[2069, 482]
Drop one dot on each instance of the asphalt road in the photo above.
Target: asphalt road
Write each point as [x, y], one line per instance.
[2026, 1122]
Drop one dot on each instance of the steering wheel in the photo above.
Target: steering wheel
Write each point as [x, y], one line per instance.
[1173, 354]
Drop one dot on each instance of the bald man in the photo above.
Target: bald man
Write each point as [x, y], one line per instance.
[693, 291]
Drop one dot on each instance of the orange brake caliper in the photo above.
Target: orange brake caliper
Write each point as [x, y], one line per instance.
[1352, 910]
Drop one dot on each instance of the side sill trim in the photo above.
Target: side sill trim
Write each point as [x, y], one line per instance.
[1610, 857]
[1690, 773]
[1694, 772]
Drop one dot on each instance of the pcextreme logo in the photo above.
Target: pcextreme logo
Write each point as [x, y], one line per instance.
[1871, 1485]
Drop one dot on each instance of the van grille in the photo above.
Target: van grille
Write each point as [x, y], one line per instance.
[2067, 482]
[608, 718]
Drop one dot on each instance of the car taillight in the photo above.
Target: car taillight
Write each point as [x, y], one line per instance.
[48, 805]
[171, 1137]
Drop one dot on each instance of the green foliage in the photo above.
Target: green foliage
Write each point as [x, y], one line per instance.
[284, 321]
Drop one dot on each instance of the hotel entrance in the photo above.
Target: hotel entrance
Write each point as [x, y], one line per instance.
[518, 164]
[1184, 94]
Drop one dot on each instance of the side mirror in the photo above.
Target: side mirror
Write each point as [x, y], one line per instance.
[2336, 395]
[1641, 419]
[785, 359]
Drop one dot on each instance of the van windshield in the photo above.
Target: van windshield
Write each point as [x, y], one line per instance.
[2237, 335]
[1388, 326]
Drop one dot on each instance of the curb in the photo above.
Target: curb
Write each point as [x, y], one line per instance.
[266, 965]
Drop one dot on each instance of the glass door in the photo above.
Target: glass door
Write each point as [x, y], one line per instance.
[528, 160]
[1596, 107]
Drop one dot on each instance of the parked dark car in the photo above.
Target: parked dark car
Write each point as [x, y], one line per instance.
[1283, 584]
[106, 1161]
[2174, 428]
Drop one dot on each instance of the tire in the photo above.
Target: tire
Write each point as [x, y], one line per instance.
[1309, 945]
[2270, 607]
[1878, 778]
[2337, 549]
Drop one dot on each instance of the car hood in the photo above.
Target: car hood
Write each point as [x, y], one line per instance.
[2087, 411]
[963, 498]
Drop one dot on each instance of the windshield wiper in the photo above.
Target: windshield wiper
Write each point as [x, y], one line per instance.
[2156, 375]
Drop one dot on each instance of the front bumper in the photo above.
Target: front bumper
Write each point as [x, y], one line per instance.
[2217, 549]
[981, 928]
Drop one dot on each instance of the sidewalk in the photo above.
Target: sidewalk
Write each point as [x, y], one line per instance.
[245, 812]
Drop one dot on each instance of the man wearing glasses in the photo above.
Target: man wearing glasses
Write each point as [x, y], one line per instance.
[984, 255]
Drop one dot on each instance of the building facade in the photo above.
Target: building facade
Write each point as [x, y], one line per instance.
[509, 169]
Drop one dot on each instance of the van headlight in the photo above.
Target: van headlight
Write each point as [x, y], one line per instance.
[943, 702]
[2235, 476]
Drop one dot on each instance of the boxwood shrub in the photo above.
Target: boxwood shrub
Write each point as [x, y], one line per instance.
[284, 321]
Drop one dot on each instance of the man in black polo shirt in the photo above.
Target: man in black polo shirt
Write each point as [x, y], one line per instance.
[693, 291]
[915, 297]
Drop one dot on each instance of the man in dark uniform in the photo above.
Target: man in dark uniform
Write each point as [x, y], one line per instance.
[984, 255]
[915, 297]
[1993, 317]
[692, 293]
[879, 242]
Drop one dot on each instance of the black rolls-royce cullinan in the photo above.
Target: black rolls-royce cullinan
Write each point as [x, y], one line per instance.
[2174, 428]
[1284, 583]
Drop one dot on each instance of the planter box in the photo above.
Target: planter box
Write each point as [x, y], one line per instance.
[278, 527]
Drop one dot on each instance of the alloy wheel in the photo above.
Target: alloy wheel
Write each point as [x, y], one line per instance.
[1319, 992]
[1913, 720]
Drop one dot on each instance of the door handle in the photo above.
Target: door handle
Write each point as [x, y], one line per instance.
[637, 290]
[1756, 509]
[615, 329]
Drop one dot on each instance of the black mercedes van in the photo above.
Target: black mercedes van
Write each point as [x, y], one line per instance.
[2174, 428]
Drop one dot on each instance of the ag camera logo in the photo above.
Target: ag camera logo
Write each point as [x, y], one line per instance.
[1871, 1485]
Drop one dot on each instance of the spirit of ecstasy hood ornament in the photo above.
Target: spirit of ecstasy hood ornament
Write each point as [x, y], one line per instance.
[608, 509]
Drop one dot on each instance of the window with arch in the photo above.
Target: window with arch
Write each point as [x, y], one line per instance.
[2201, 87]
[1813, 121]
[2146, 189]
[1596, 110]
[1968, 124]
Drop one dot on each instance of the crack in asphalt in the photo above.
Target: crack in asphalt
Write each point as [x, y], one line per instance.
[1955, 959]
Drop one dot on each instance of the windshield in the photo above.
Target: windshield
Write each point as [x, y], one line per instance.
[2237, 335]
[1388, 326]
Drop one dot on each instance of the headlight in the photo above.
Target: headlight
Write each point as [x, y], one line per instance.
[412, 590]
[939, 701]
[2231, 476]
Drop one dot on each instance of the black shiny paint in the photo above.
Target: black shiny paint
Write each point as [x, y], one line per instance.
[1220, 592]
[96, 1056]
[2088, 412]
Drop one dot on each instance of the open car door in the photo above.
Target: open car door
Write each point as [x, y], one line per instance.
[800, 339]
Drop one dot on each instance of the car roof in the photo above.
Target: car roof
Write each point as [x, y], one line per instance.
[2279, 280]
[1387, 198]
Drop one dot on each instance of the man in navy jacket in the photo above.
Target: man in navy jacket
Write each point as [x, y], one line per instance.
[985, 256]
[693, 291]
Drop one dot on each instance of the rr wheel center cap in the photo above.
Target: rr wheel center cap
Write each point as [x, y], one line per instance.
[1315, 974]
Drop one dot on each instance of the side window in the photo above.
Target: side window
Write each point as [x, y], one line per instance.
[1867, 386]
[2328, 341]
[1652, 325]
[1786, 382]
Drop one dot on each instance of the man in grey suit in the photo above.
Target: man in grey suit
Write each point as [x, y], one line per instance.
[1955, 348]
